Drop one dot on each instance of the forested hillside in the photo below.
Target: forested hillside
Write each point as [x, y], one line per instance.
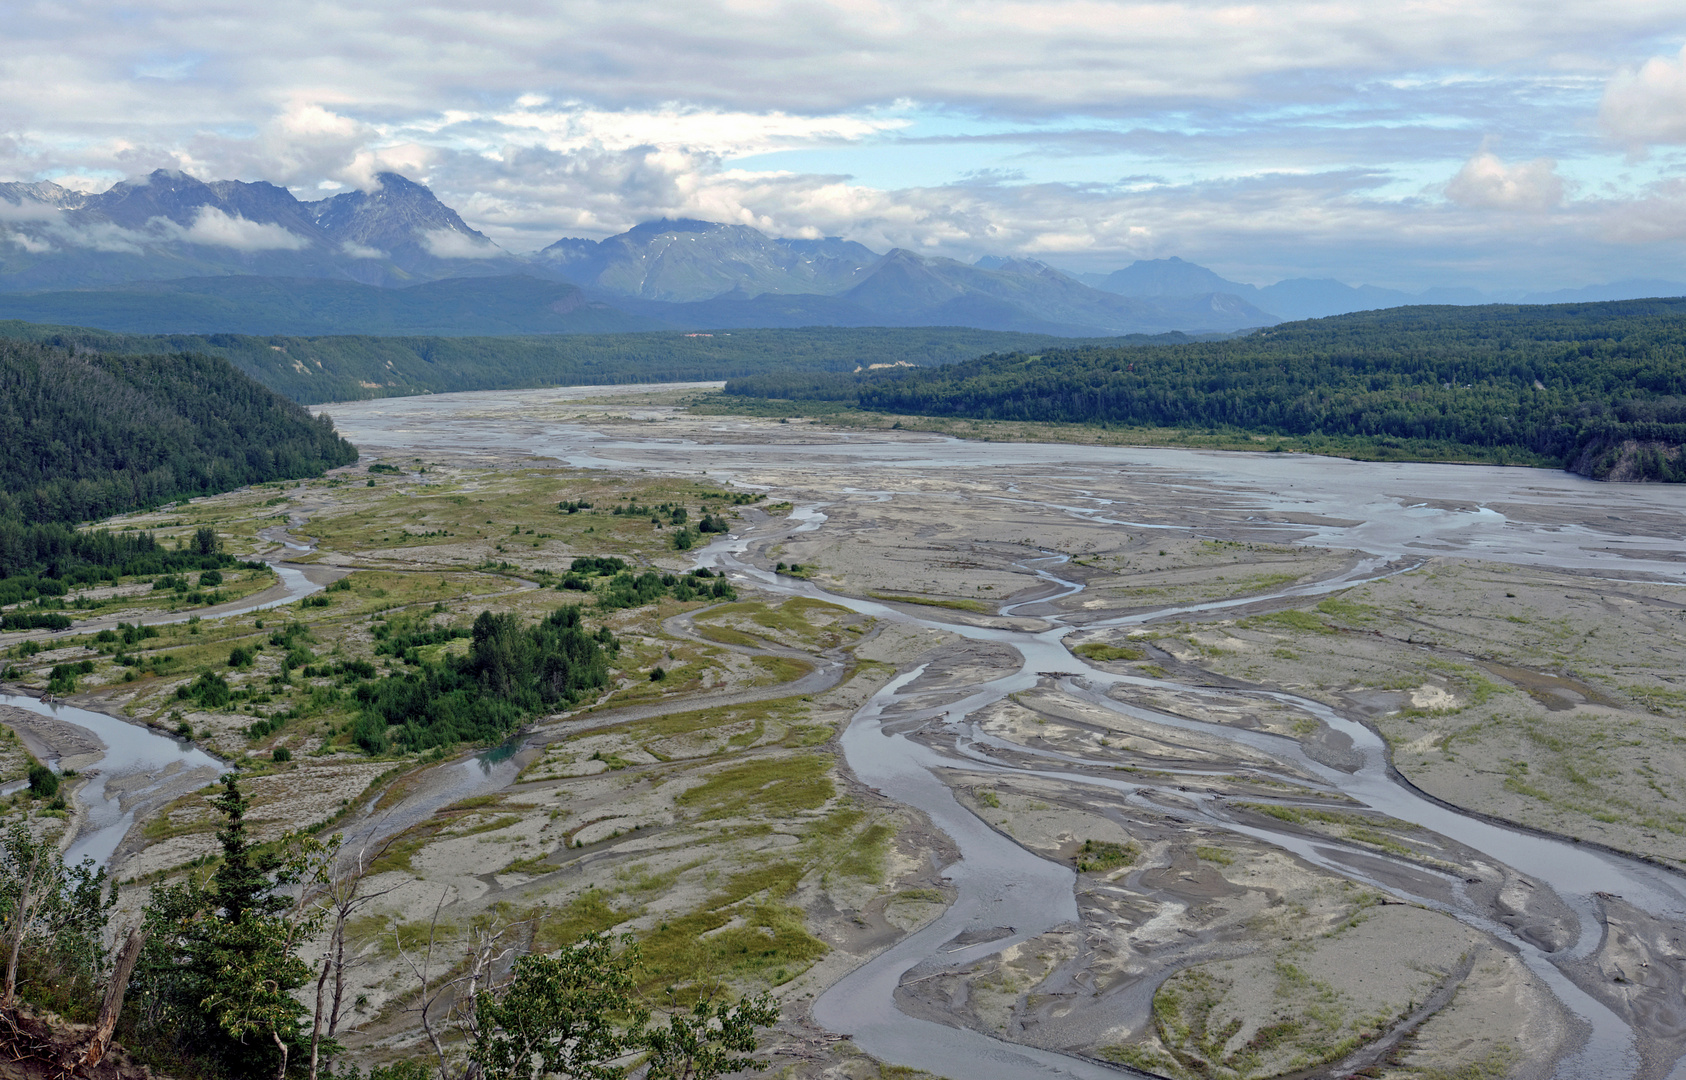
[317, 369]
[94, 434]
[1599, 388]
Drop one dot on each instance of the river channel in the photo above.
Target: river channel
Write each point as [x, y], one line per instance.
[1394, 514]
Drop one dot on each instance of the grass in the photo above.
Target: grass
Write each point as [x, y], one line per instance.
[1350, 611]
[799, 621]
[782, 669]
[1214, 855]
[932, 601]
[727, 636]
[773, 786]
[1102, 652]
[789, 711]
[1495, 1066]
[1354, 827]
[805, 735]
[1193, 1020]
[1303, 621]
[920, 896]
[1256, 583]
[408, 843]
[1657, 699]
[589, 912]
[535, 866]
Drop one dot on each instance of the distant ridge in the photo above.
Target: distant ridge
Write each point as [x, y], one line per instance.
[232, 304]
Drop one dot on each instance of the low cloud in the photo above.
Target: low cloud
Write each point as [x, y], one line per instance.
[450, 244]
[213, 228]
[361, 251]
[37, 224]
[31, 244]
[1487, 183]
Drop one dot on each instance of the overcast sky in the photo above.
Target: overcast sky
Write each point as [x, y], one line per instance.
[1492, 143]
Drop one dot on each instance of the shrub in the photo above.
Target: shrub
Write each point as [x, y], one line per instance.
[210, 690]
[43, 782]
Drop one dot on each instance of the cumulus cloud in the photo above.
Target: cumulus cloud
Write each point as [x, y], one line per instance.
[361, 251]
[1647, 105]
[213, 228]
[451, 244]
[1485, 182]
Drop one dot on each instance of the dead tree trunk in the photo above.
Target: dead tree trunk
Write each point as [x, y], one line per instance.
[111, 1006]
[316, 1026]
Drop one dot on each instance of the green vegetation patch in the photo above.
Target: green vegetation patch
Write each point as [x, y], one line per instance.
[798, 621]
[772, 786]
[932, 601]
[510, 672]
[1102, 652]
[1572, 384]
[1104, 856]
[144, 429]
[1303, 621]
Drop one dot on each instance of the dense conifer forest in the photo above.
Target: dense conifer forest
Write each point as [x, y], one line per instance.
[90, 435]
[313, 370]
[1599, 388]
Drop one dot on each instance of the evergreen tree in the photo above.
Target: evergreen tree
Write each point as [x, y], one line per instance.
[216, 981]
[244, 881]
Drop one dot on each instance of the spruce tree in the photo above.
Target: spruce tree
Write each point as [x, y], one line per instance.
[244, 881]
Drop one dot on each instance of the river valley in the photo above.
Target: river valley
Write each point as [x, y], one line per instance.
[1198, 764]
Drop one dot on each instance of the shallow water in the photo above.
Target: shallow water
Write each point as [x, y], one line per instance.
[999, 884]
[130, 749]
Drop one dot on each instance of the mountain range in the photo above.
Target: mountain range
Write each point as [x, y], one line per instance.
[171, 253]
[1316, 298]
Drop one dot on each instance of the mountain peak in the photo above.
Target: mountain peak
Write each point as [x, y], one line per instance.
[401, 220]
[1165, 277]
[671, 225]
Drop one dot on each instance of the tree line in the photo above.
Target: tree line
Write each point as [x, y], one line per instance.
[50, 559]
[1569, 383]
